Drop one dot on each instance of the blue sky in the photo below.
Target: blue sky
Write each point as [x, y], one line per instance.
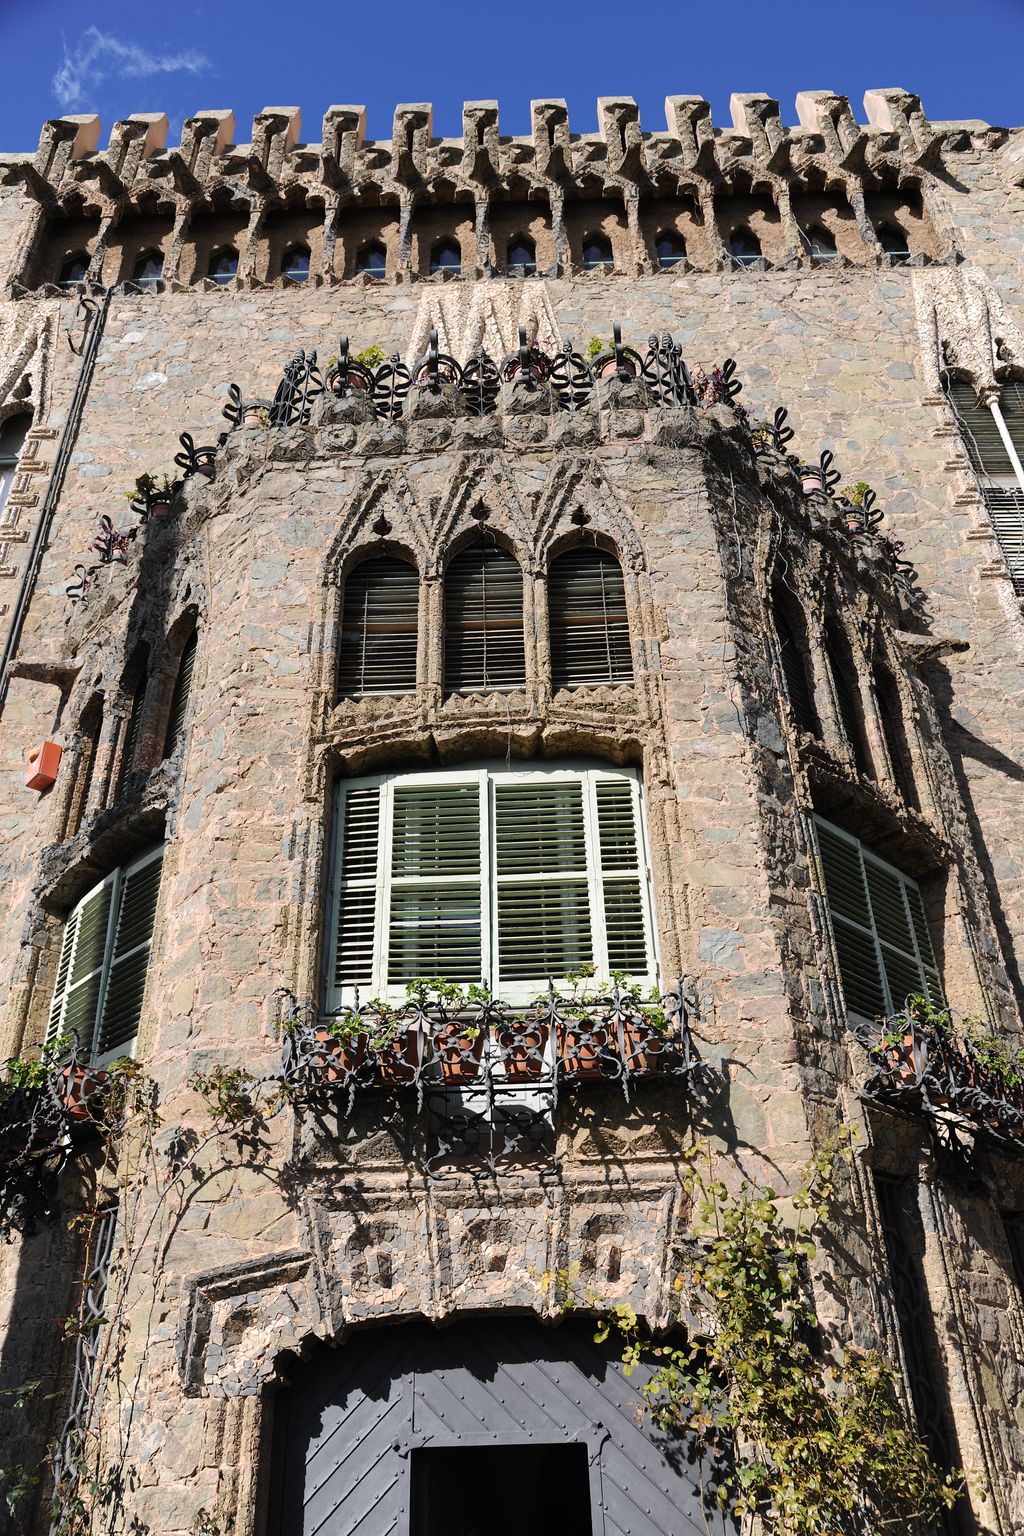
[963, 60]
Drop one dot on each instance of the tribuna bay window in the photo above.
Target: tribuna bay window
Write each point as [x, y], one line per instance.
[104, 956]
[881, 932]
[503, 876]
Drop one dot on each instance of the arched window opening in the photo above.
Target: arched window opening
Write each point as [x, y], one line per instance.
[73, 271]
[178, 711]
[148, 269]
[104, 957]
[892, 237]
[521, 257]
[295, 265]
[90, 727]
[373, 260]
[224, 265]
[597, 254]
[12, 440]
[841, 665]
[506, 875]
[483, 621]
[670, 248]
[744, 246]
[379, 628]
[894, 733]
[795, 663]
[1001, 489]
[589, 625]
[132, 730]
[446, 256]
[821, 245]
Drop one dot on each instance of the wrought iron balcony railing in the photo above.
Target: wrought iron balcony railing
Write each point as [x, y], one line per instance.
[489, 1075]
[927, 1067]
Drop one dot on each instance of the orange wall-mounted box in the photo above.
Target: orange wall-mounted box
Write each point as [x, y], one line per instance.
[42, 765]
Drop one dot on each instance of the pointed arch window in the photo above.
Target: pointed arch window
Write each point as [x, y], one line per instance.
[484, 648]
[795, 662]
[178, 712]
[821, 245]
[74, 270]
[132, 730]
[90, 727]
[894, 732]
[670, 249]
[503, 875]
[295, 265]
[104, 958]
[521, 257]
[843, 672]
[12, 440]
[588, 621]
[224, 265]
[744, 246]
[597, 254]
[148, 269]
[379, 628]
[372, 260]
[446, 256]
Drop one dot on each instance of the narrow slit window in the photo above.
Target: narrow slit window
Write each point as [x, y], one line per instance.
[148, 269]
[372, 260]
[12, 441]
[178, 711]
[795, 666]
[670, 249]
[446, 256]
[483, 622]
[744, 246]
[881, 932]
[597, 254]
[589, 625]
[821, 245]
[506, 876]
[73, 271]
[521, 257]
[295, 266]
[842, 669]
[132, 732]
[893, 240]
[223, 266]
[379, 628]
[894, 733]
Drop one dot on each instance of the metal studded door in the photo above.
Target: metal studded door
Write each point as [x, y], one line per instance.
[483, 1428]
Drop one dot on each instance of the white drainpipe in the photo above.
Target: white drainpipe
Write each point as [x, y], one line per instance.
[1011, 451]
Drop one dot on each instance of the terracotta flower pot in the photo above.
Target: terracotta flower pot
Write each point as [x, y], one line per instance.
[398, 1057]
[252, 416]
[811, 483]
[580, 1051]
[81, 1089]
[339, 1056]
[644, 1048]
[523, 1051]
[908, 1060]
[159, 509]
[609, 370]
[458, 1052]
[355, 380]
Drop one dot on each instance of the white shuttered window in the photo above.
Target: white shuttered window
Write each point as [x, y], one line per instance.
[881, 932]
[502, 875]
[101, 974]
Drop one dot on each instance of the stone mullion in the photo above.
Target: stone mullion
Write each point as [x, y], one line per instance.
[332, 224]
[430, 660]
[406, 208]
[178, 237]
[483, 236]
[536, 638]
[559, 234]
[253, 233]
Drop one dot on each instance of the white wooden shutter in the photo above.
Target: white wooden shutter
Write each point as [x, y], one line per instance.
[878, 919]
[379, 628]
[483, 622]
[179, 698]
[623, 877]
[543, 892]
[125, 981]
[979, 431]
[1005, 507]
[435, 917]
[355, 924]
[80, 969]
[588, 624]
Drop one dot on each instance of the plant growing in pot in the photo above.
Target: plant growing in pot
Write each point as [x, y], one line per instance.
[345, 372]
[340, 1044]
[394, 1044]
[152, 496]
[585, 1047]
[454, 1024]
[644, 1026]
[522, 1042]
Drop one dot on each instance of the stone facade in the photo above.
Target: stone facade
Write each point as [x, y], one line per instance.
[322, 1224]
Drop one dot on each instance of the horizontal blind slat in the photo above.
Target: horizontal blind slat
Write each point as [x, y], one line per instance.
[484, 647]
[379, 628]
[588, 620]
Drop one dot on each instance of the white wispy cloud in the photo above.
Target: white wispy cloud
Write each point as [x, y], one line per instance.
[97, 56]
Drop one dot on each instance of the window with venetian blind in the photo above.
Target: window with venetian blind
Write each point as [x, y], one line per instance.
[883, 945]
[379, 628]
[507, 876]
[1002, 494]
[483, 621]
[587, 620]
[104, 956]
[178, 711]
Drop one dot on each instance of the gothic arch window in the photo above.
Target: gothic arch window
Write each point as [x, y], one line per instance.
[587, 619]
[892, 237]
[790, 632]
[894, 732]
[223, 266]
[597, 254]
[295, 264]
[521, 257]
[104, 958]
[503, 874]
[90, 727]
[12, 441]
[178, 712]
[744, 246]
[670, 248]
[821, 245]
[446, 256]
[372, 259]
[130, 742]
[841, 665]
[982, 429]
[73, 270]
[484, 648]
[148, 269]
[379, 628]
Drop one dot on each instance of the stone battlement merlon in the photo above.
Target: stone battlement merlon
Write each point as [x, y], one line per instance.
[897, 144]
